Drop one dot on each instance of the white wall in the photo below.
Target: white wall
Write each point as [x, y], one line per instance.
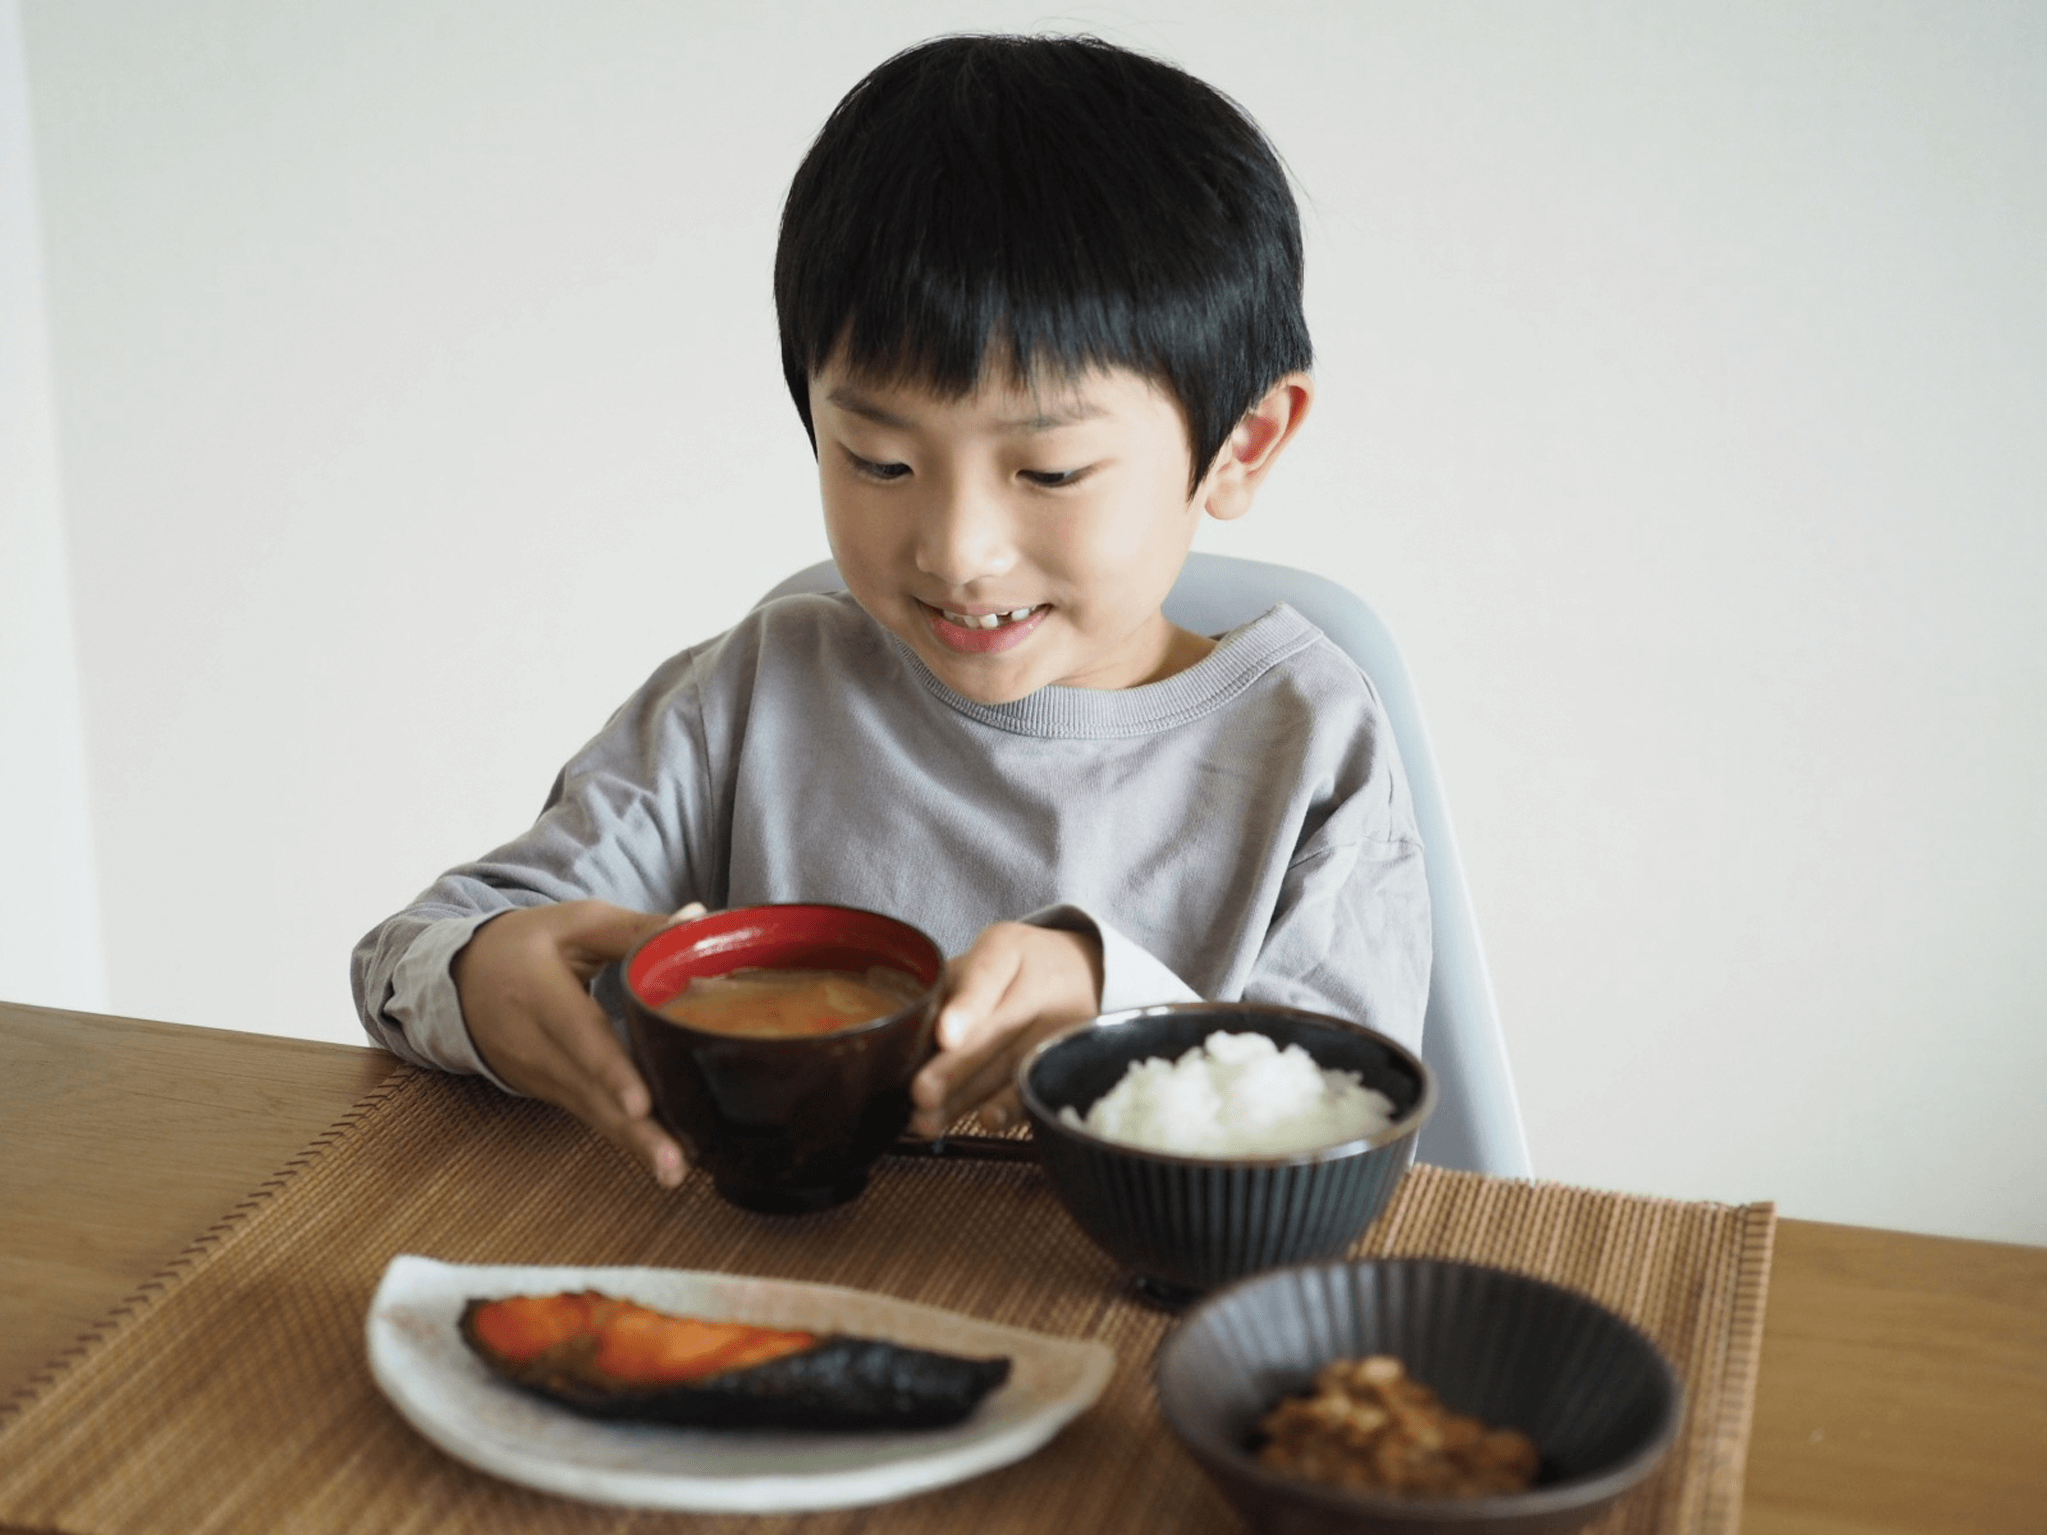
[50, 941]
[1681, 407]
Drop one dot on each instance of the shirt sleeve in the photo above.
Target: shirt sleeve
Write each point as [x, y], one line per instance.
[1351, 936]
[1330, 913]
[421, 1020]
[626, 822]
[1348, 931]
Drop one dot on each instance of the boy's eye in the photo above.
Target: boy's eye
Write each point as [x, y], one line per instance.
[1051, 479]
[868, 469]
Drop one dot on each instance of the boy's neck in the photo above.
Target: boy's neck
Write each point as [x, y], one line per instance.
[1184, 648]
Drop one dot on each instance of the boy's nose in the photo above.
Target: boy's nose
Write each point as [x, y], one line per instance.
[963, 537]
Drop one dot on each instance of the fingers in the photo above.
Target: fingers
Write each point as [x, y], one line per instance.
[521, 984]
[978, 983]
[592, 934]
[952, 1085]
[575, 1062]
[1012, 987]
[1003, 1110]
[575, 1023]
[635, 1132]
[650, 1145]
[981, 1076]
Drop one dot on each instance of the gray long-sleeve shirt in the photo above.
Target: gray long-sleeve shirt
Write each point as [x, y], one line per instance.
[1241, 829]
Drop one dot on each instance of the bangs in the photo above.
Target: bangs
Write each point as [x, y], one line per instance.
[1044, 207]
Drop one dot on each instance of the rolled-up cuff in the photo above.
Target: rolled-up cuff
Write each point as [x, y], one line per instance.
[1131, 976]
[423, 1007]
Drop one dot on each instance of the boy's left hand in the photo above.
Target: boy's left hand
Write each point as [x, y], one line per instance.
[1015, 986]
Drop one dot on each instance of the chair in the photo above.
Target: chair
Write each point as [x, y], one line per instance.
[1478, 1123]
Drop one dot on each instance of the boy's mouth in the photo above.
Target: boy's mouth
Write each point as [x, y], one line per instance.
[981, 633]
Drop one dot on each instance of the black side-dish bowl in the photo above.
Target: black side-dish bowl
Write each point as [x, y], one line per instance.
[1600, 1401]
[1185, 1224]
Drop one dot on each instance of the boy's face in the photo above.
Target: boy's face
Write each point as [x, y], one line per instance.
[1061, 513]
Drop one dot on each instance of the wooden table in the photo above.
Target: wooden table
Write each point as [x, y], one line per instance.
[1902, 1379]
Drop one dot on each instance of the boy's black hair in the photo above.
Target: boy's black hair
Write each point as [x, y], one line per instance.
[1062, 201]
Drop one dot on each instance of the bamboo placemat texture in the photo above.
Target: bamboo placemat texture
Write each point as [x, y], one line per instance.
[233, 1393]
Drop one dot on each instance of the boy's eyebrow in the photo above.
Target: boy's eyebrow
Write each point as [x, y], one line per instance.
[854, 402]
[1045, 421]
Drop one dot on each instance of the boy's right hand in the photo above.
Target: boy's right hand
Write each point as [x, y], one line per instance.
[523, 982]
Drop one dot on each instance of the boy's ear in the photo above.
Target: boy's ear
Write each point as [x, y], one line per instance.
[1253, 447]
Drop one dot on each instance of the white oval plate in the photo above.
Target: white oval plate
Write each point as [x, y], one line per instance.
[443, 1390]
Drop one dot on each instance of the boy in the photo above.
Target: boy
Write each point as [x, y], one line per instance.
[1040, 306]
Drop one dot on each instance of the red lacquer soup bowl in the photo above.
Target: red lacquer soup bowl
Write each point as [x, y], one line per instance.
[783, 1124]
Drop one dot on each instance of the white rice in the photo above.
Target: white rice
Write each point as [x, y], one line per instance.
[1235, 1095]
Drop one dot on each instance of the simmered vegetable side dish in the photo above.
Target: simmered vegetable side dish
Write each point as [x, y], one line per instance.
[611, 1358]
[1371, 1428]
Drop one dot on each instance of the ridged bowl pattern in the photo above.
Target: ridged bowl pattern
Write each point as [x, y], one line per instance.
[1594, 1393]
[1185, 1224]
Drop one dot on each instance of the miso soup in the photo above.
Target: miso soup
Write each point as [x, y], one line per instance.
[790, 1003]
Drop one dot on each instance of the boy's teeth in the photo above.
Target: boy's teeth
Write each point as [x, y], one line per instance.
[987, 620]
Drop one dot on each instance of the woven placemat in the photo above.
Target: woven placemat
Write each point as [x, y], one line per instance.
[233, 1393]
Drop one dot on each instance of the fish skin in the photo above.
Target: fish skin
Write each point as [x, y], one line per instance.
[840, 1383]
